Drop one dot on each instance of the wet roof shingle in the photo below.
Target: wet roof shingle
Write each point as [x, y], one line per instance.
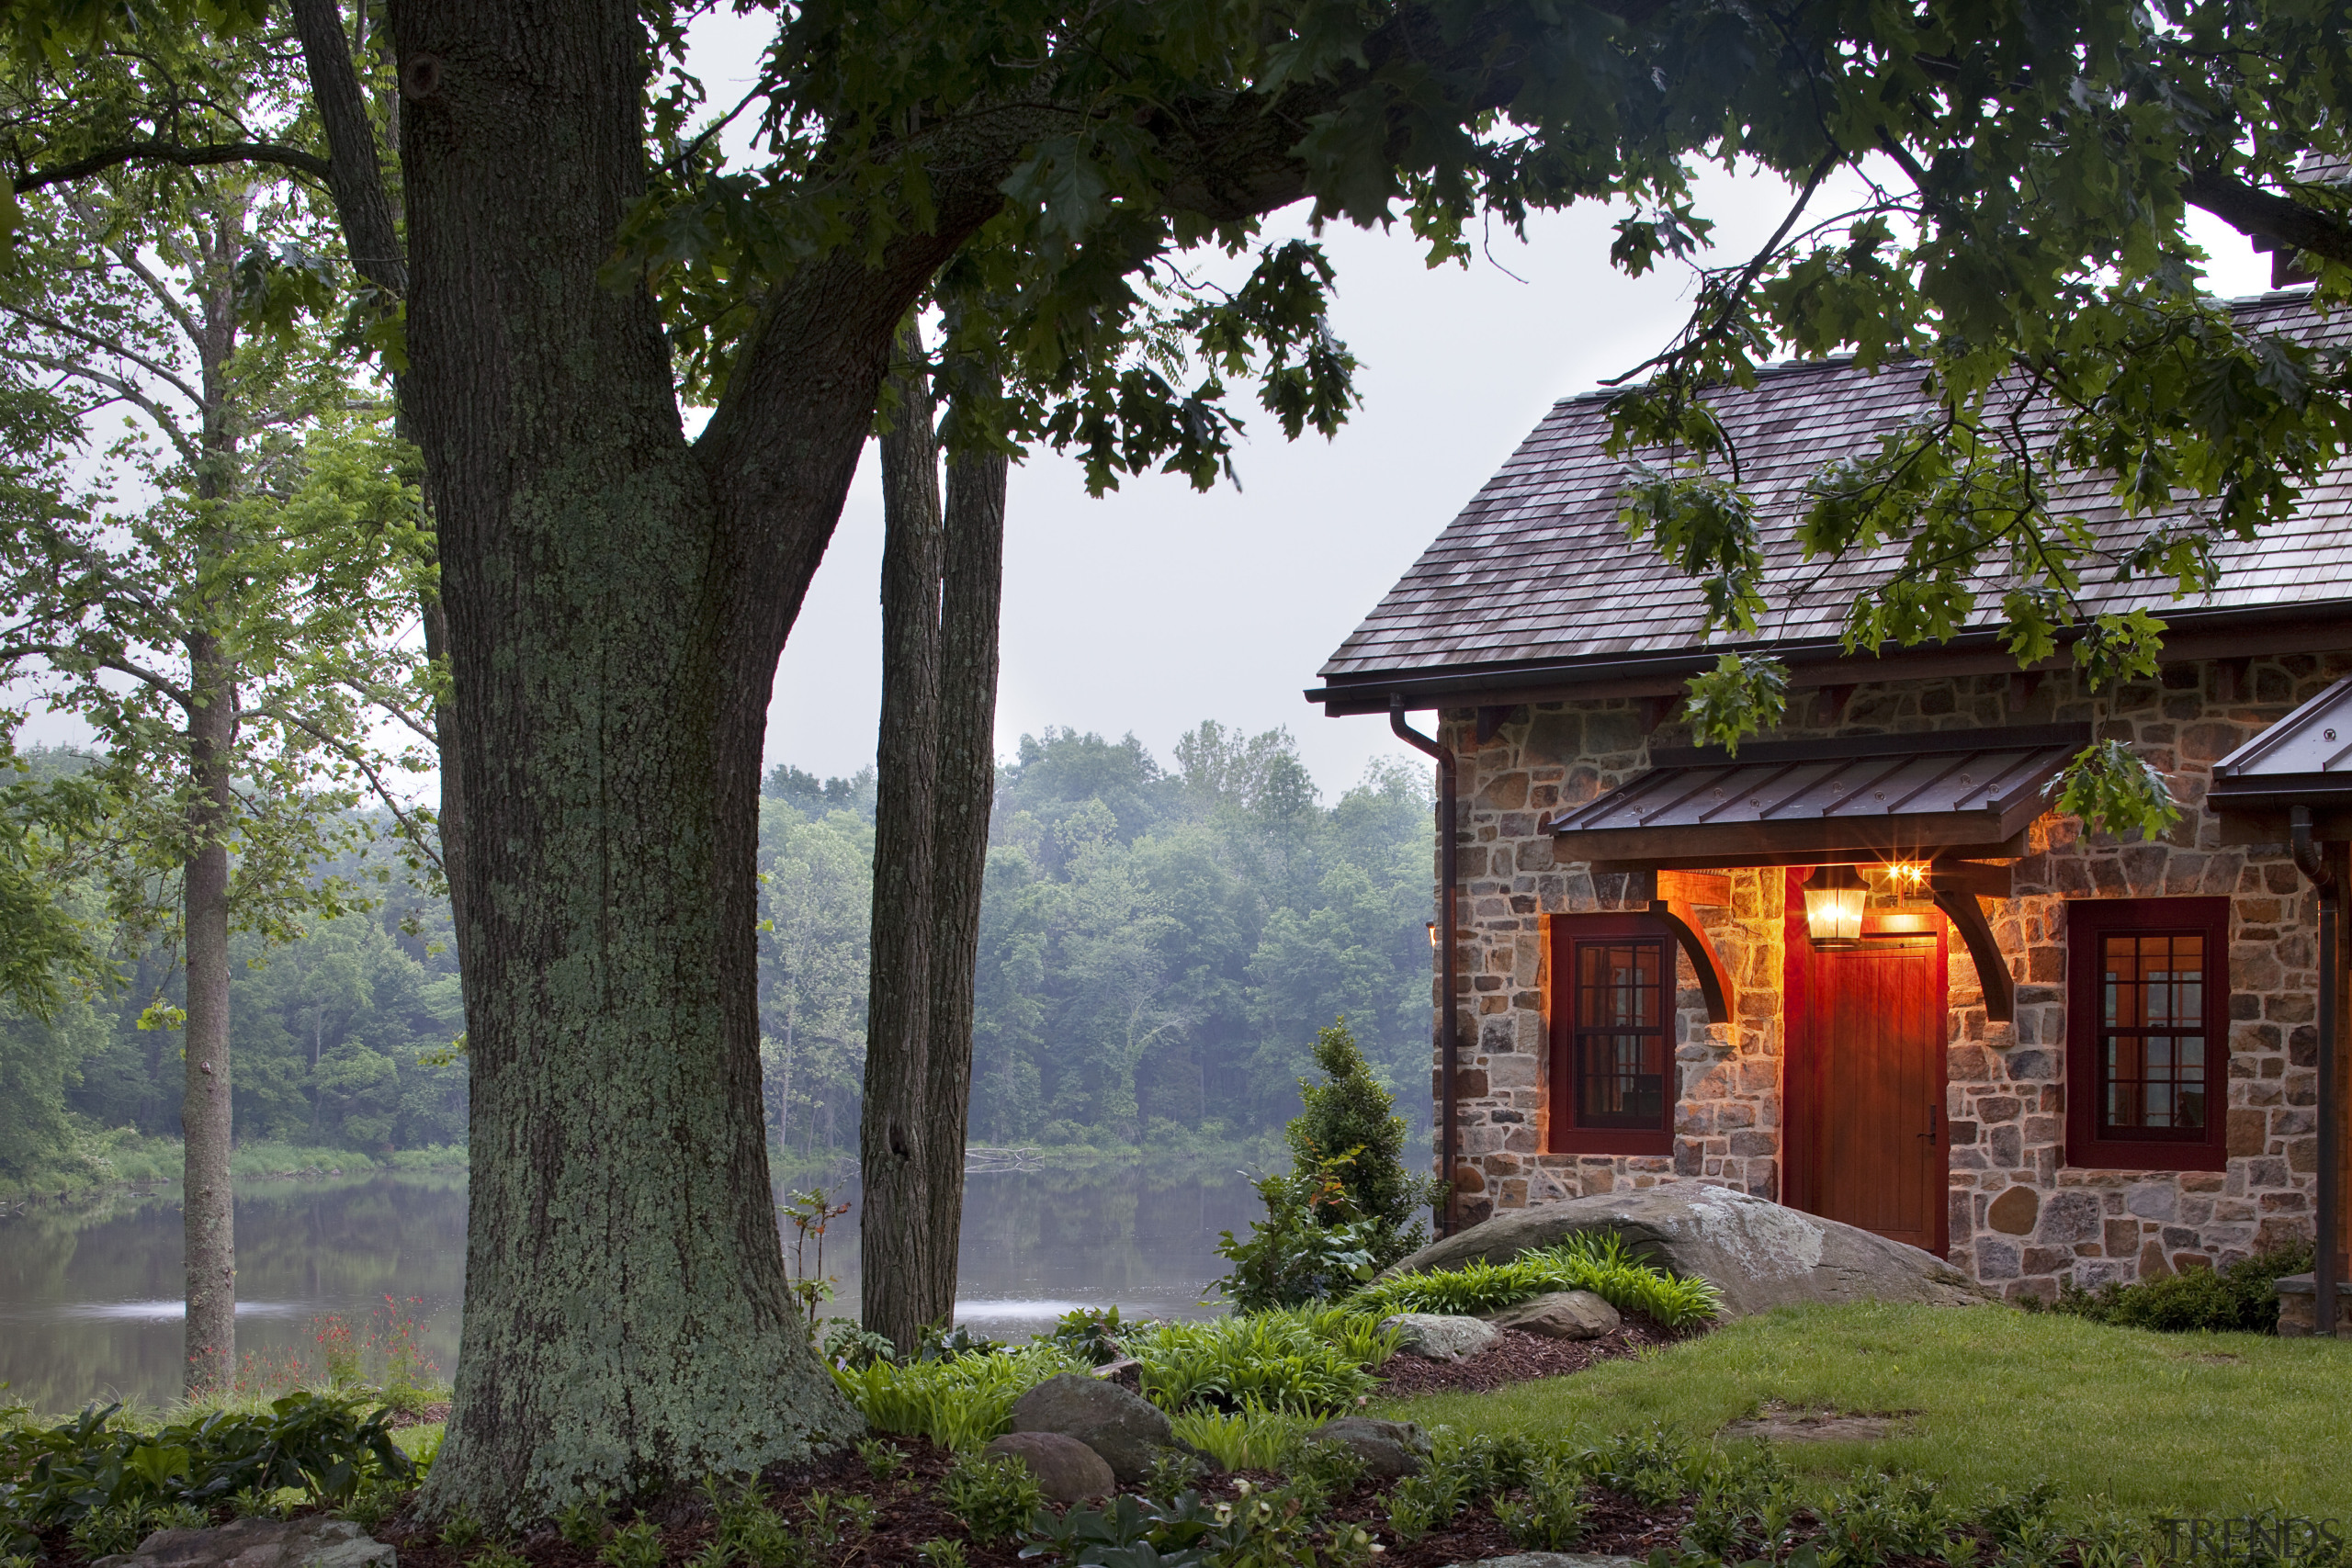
[1537, 566]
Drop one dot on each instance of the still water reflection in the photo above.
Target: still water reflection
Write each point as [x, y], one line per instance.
[89, 1296]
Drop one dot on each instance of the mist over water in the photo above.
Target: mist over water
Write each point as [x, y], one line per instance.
[90, 1294]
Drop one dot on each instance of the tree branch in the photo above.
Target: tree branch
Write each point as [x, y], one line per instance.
[154, 152]
[2264, 214]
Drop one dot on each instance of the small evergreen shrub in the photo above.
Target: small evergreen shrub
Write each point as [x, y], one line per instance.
[1589, 1261]
[2242, 1298]
[1311, 1246]
[1350, 1119]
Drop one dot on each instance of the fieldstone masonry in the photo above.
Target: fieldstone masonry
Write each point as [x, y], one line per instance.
[2021, 1219]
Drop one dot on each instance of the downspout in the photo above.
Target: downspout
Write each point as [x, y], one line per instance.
[1447, 894]
[2326, 1265]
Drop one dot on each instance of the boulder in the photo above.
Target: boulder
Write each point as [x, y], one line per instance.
[317, 1541]
[1560, 1314]
[1067, 1470]
[1435, 1336]
[1388, 1448]
[1125, 1428]
[1758, 1253]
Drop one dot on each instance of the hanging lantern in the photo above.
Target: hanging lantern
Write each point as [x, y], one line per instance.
[1833, 904]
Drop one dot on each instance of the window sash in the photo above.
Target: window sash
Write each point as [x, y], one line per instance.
[1622, 1060]
[2155, 1060]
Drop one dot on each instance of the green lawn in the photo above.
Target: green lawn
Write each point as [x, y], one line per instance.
[2168, 1424]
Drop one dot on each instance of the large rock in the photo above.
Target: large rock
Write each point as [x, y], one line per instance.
[1388, 1448]
[1436, 1336]
[1067, 1470]
[1561, 1314]
[1759, 1254]
[317, 1541]
[1125, 1428]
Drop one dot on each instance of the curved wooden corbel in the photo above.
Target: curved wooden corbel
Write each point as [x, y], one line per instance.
[1967, 917]
[1715, 981]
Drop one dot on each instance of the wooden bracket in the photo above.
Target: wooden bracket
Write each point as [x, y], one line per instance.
[1492, 719]
[1831, 702]
[2234, 680]
[1967, 917]
[2023, 684]
[1657, 710]
[1715, 981]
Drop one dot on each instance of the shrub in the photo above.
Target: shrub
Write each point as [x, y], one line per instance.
[959, 1402]
[1305, 1362]
[2242, 1298]
[1589, 1261]
[1351, 1119]
[1310, 1247]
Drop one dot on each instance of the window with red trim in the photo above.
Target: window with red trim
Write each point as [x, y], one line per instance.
[2147, 1033]
[1613, 1087]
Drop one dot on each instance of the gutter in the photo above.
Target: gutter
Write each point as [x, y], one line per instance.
[1448, 894]
[2327, 1266]
[2235, 633]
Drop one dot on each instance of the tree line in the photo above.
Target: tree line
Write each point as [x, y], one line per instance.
[1158, 947]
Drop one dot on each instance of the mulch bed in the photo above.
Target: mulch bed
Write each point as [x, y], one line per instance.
[1521, 1357]
[907, 1514]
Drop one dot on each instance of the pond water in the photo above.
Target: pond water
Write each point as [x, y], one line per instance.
[90, 1294]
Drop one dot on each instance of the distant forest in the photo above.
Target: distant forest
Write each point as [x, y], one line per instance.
[1158, 947]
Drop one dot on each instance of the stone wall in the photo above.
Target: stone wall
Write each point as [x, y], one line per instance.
[2021, 1219]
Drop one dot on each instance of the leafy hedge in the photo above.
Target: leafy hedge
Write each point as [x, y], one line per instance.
[957, 1401]
[2242, 1298]
[1589, 1261]
[1305, 1361]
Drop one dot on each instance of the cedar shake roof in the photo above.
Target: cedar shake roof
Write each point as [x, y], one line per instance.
[1537, 572]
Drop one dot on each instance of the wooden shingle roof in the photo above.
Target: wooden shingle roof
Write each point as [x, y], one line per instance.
[1537, 578]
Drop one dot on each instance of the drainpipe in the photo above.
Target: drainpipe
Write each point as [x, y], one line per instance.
[2326, 1265]
[1448, 893]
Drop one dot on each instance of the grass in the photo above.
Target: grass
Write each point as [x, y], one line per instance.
[1991, 1398]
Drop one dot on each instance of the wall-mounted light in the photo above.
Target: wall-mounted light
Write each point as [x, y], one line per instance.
[1833, 904]
[1433, 928]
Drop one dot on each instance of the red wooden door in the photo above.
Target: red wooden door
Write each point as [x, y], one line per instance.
[1866, 1082]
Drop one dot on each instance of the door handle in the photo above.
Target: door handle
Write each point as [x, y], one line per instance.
[1935, 1112]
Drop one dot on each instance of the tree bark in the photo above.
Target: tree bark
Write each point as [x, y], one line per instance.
[207, 1206]
[206, 1119]
[616, 607]
[895, 1263]
[971, 596]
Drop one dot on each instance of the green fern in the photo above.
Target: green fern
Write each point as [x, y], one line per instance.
[1589, 1261]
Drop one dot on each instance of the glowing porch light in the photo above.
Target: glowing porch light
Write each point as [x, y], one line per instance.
[1833, 904]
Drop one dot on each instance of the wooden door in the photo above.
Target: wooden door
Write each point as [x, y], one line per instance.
[1866, 1131]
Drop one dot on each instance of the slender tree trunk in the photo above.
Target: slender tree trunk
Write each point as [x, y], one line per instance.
[208, 1213]
[895, 1264]
[207, 1130]
[972, 592]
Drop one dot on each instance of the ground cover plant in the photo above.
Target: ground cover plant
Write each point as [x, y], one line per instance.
[1590, 1260]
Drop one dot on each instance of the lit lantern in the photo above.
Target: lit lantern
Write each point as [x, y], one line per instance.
[1432, 929]
[1833, 904]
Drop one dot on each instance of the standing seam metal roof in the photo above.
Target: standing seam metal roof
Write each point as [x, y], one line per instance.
[1538, 567]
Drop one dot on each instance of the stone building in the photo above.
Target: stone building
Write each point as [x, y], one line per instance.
[1864, 967]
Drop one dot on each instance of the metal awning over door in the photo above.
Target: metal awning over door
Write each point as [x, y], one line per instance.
[1951, 794]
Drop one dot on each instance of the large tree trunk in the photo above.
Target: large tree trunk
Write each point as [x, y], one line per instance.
[897, 1271]
[617, 602]
[972, 589]
[207, 1206]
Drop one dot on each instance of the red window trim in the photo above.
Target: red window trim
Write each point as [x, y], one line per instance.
[2088, 919]
[1563, 1136]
